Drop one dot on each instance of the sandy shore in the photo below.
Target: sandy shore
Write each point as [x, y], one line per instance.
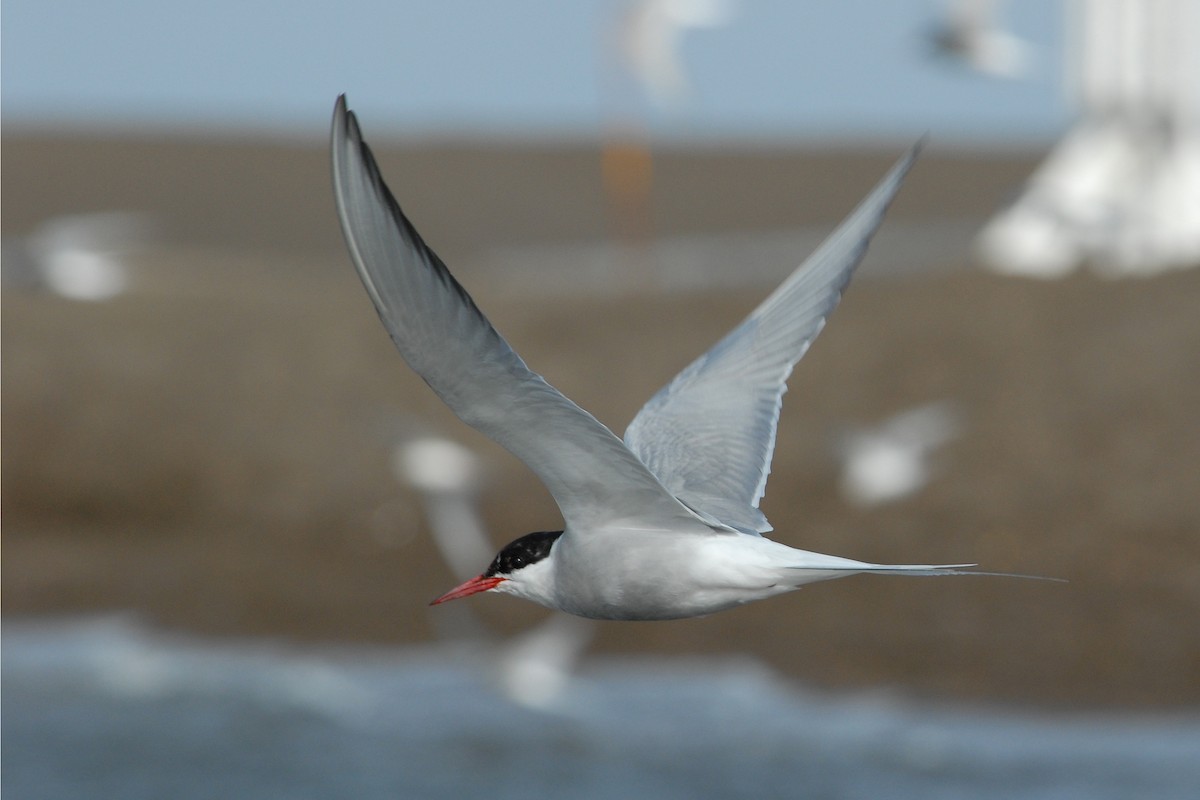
[211, 450]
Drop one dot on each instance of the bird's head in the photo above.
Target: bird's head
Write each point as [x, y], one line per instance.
[521, 568]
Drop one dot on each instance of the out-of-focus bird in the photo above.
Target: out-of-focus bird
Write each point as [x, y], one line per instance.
[536, 667]
[649, 33]
[78, 256]
[889, 461]
[970, 33]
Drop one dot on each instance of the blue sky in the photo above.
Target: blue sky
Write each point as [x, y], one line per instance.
[778, 69]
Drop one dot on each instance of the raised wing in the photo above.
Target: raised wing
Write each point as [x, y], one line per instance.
[709, 434]
[446, 339]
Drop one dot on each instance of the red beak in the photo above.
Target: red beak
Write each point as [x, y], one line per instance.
[478, 584]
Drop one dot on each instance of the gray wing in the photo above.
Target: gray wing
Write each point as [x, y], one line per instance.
[709, 434]
[446, 339]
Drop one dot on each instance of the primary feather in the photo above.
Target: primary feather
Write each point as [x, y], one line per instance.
[709, 434]
[438, 329]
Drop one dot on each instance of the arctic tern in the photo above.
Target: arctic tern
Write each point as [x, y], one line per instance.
[664, 524]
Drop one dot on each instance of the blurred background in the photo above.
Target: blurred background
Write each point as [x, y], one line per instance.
[227, 501]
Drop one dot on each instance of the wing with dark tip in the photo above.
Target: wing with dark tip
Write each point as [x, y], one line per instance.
[710, 433]
[446, 339]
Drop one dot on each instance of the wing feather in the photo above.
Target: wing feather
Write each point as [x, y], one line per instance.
[709, 434]
[448, 341]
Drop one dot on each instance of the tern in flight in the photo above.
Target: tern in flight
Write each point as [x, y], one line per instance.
[664, 524]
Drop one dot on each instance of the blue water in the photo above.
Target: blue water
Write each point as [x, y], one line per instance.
[107, 709]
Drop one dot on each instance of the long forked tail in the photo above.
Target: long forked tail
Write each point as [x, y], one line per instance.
[808, 566]
[957, 569]
[853, 567]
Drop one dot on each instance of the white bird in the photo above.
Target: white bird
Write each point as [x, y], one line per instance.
[662, 525]
[79, 256]
[649, 38]
[447, 477]
[891, 460]
[534, 668]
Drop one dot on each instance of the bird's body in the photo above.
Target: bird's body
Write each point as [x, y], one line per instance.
[664, 524]
[624, 572]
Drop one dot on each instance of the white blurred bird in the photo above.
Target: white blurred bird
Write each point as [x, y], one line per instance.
[447, 477]
[649, 35]
[79, 256]
[970, 33]
[664, 524]
[891, 460]
[534, 668]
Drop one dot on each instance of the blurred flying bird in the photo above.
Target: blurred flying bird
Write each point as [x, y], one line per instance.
[534, 668]
[649, 34]
[642, 60]
[447, 476]
[891, 460]
[970, 33]
[78, 256]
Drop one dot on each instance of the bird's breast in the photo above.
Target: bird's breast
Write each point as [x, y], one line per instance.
[631, 574]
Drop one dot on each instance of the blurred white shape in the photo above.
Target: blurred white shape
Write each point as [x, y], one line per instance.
[435, 465]
[84, 275]
[892, 460]
[970, 33]
[81, 256]
[1121, 192]
[649, 35]
[1068, 208]
[447, 476]
[532, 669]
[535, 668]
